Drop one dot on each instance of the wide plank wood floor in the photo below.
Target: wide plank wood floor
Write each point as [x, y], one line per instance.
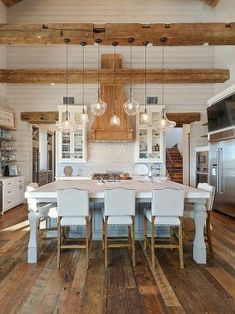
[41, 288]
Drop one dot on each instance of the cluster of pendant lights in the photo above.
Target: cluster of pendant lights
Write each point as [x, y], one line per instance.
[131, 106]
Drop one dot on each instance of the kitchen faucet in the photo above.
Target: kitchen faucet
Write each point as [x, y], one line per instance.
[150, 171]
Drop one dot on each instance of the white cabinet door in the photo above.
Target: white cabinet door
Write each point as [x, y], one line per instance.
[72, 146]
[12, 192]
[149, 145]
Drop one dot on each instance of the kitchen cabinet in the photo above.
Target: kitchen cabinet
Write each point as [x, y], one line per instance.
[149, 145]
[72, 146]
[12, 193]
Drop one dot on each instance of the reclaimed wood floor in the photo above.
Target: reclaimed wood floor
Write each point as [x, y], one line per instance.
[40, 288]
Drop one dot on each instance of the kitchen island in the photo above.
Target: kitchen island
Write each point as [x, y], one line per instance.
[48, 193]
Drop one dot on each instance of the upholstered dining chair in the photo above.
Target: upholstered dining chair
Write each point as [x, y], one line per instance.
[47, 211]
[119, 209]
[73, 210]
[167, 209]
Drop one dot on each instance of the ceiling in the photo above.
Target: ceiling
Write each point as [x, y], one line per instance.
[11, 3]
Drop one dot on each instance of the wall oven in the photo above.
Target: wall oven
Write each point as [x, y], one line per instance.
[201, 167]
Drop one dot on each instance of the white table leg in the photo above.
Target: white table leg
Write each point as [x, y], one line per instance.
[33, 250]
[199, 246]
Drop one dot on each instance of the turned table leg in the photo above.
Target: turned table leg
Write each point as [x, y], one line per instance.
[199, 245]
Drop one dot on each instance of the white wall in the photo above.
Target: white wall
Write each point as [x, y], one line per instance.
[44, 97]
[224, 55]
[3, 18]
[174, 136]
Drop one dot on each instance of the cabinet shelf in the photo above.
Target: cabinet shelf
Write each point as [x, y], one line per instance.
[7, 139]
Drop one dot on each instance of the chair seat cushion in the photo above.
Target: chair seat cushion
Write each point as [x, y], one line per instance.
[162, 220]
[73, 221]
[119, 220]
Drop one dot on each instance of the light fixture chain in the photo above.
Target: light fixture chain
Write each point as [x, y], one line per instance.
[163, 60]
[131, 54]
[145, 72]
[83, 73]
[66, 80]
[98, 72]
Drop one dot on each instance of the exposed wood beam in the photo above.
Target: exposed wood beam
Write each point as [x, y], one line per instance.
[175, 34]
[51, 117]
[184, 117]
[10, 3]
[121, 76]
[211, 3]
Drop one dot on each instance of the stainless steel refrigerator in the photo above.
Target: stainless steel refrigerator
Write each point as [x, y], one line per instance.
[222, 171]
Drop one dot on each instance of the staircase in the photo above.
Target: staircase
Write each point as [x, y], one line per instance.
[174, 164]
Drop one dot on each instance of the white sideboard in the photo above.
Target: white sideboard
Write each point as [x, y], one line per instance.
[12, 192]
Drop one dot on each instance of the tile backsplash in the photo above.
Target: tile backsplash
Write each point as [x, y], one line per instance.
[102, 157]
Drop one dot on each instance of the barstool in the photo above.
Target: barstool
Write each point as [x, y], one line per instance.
[119, 209]
[73, 210]
[167, 209]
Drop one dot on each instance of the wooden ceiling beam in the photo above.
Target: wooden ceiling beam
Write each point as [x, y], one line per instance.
[51, 117]
[174, 34]
[211, 3]
[121, 76]
[10, 3]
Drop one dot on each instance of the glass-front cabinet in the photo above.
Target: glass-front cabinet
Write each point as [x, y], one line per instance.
[72, 146]
[149, 146]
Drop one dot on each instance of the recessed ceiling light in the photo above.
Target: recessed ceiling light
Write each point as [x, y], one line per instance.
[39, 37]
[52, 84]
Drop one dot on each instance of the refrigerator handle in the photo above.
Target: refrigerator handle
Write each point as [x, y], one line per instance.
[218, 169]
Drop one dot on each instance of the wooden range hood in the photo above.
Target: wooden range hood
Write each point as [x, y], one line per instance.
[114, 96]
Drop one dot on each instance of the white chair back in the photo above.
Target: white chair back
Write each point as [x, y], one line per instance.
[119, 202]
[168, 202]
[208, 188]
[73, 202]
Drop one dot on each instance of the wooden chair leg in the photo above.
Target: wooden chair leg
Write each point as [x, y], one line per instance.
[103, 233]
[90, 233]
[133, 240]
[172, 235]
[129, 237]
[152, 242]
[87, 239]
[181, 251]
[145, 232]
[105, 244]
[58, 244]
[208, 233]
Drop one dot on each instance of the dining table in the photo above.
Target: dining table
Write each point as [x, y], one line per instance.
[48, 193]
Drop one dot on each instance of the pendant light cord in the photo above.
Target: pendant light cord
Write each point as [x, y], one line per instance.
[145, 43]
[131, 40]
[67, 40]
[163, 78]
[83, 74]
[98, 41]
[114, 74]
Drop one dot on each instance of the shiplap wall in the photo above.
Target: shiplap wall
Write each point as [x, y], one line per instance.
[40, 97]
[224, 55]
[3, 18]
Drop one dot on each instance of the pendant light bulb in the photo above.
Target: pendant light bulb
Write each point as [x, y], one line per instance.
[144, 118]
[163, 124]
[99, 108]
[115, 120]
[84, 116]
[131, 107]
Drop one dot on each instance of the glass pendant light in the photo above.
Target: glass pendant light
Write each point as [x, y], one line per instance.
[66, 125]
[84, 115]
[99, 108]
[144, 118]
[131, 106]
[163, 124]
[114, 120]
